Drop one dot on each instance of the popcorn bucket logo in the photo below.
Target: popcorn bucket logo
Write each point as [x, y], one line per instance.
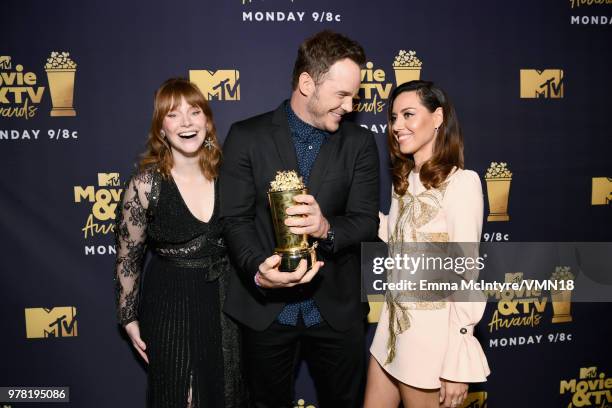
[561, 299]
[601, 191]
[475, 400]
[61, 70]
[542, 84]
[590, 389]
[55, 322]
[221, 85]
[5, 62]
[498, 179]
[407, 67]
[105, 197]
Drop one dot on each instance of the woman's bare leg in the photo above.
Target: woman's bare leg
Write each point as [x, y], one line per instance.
[413, 397]
[381, 389]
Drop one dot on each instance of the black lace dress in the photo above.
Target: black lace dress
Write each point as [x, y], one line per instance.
[193, 348]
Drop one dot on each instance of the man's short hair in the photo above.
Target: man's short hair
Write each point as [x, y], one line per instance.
[318, 53]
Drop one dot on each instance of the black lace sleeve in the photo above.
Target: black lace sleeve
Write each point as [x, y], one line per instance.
[130, 236]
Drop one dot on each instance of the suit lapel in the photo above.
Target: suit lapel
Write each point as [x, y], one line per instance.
[282, 139]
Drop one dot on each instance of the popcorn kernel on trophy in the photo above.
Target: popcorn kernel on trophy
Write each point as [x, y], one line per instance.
[498, 179]
[407, 67]
[61, 70]
[291, 247]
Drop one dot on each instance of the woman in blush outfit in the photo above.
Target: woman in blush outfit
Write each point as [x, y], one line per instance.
[427, 360]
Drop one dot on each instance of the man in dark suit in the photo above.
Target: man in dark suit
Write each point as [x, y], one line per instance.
[315, 314]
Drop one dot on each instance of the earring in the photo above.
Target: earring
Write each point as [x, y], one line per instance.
[208, 143]
[162, 133]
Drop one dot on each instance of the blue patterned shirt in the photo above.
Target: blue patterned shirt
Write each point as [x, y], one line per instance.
[307, 141]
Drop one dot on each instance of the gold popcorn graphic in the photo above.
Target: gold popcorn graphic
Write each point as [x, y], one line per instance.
[55, 322]
[221, 85]
[61, 70]
[475, 400]
[498, 179]
[546, 83]
[561, 299]
[601, 191]
[407, 67]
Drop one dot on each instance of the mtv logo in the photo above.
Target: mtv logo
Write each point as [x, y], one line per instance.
[602, 191]
[514, 277]
[108, 179]
[542, 84]
[475, 400]
[588, 372]
[55, 322]
[5, 62]
[221, 85]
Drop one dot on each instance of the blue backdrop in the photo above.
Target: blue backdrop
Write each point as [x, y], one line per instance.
[530, 81]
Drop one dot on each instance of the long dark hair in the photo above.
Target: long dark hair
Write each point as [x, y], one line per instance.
[448, 147]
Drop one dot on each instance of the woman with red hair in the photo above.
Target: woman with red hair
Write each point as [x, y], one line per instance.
[171, 207]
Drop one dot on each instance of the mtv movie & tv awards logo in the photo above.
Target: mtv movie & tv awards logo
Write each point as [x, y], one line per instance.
[526, 307]
[590, 389]
[547, 83]
[103, 198]
[601, 191]
[376, 86]
[21, 91]
[44, 322]
[220, 85]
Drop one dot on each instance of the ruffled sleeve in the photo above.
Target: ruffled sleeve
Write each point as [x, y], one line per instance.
[130, 237]
[465, 360]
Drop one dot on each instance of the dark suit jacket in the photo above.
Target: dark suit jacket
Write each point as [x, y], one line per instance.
[345, 182]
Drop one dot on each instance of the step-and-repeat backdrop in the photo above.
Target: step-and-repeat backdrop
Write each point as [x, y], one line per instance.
[531, 83]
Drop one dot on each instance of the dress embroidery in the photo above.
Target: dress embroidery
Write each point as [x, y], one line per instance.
[414, 212]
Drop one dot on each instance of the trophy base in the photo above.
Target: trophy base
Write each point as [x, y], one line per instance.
[564, 318]
[291, 259]
[63, 112]
[498, 217]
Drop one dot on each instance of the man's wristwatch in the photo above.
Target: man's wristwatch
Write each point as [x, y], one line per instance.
[328, 241]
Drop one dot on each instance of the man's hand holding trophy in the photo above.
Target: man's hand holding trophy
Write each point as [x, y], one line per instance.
[295, 215]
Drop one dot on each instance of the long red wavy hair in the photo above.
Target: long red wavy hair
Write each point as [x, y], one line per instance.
[158, 152]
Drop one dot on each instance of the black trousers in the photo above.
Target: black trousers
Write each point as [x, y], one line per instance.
[336, 362]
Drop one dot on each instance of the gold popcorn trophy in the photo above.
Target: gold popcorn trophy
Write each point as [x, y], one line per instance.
[407, 67]
[291, 247]
[60, 72]
[498, 180]
[561, 298]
